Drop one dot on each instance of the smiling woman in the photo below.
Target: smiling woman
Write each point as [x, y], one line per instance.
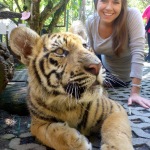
[113, 15]
[117, 35]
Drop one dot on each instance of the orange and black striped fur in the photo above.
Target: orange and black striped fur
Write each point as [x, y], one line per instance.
[67, 101]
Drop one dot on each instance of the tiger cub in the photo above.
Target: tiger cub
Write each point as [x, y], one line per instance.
[67, 101]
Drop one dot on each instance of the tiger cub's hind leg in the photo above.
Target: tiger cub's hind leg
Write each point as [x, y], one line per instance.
[60, 136]
[116, 133]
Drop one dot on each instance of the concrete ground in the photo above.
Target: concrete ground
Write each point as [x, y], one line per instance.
[15, 133]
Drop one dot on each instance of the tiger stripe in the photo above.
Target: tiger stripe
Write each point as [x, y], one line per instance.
[35, 71]
[35, 111]
[83, 122]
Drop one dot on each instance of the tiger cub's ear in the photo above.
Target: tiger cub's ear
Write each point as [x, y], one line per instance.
[22, 41]
[77, 27]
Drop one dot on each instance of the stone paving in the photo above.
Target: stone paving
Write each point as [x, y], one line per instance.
[15, 133]
[139, 117]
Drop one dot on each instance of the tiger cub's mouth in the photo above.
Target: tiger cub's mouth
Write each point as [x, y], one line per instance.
[75, 90]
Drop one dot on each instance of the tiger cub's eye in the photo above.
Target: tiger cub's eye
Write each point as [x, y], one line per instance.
[84, 45]
[59, 51]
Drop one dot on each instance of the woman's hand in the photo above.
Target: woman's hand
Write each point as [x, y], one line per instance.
[136, 98]
[135, 94]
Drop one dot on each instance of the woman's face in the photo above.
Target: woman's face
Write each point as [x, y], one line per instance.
[109, 10]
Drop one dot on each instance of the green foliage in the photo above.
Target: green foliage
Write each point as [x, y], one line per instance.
[140, 4]
[2, 6]
[73, 8]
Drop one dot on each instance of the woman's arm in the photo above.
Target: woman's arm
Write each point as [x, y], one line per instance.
[136, 33]
[135, 86]
[136, 45]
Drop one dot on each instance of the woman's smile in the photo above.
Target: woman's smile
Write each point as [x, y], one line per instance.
[108, 14]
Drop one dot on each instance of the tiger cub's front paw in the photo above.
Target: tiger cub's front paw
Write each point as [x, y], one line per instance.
[76, 141]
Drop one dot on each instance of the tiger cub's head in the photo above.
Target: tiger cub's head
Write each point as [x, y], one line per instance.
[58, 64]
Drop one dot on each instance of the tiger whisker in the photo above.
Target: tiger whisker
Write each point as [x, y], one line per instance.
[83, 107]
[115, 77]
[65, 99]
[114, 80]
[69, 90]
[75, 88]
[72, 90]
[76, 92]
[108, 83]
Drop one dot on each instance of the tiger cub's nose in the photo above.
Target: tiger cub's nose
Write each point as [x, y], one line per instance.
[93, 68]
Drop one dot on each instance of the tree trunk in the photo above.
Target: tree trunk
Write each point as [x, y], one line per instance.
[6, 66]
[56, 17]
[37, 19]
[82, 11]
[35, 16]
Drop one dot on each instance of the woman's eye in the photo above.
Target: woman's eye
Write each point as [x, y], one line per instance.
[116, 2]
[103, 1]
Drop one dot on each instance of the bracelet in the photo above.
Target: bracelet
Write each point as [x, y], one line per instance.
[137, 85]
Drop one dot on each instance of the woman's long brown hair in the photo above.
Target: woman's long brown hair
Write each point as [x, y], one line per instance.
[120, 33]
